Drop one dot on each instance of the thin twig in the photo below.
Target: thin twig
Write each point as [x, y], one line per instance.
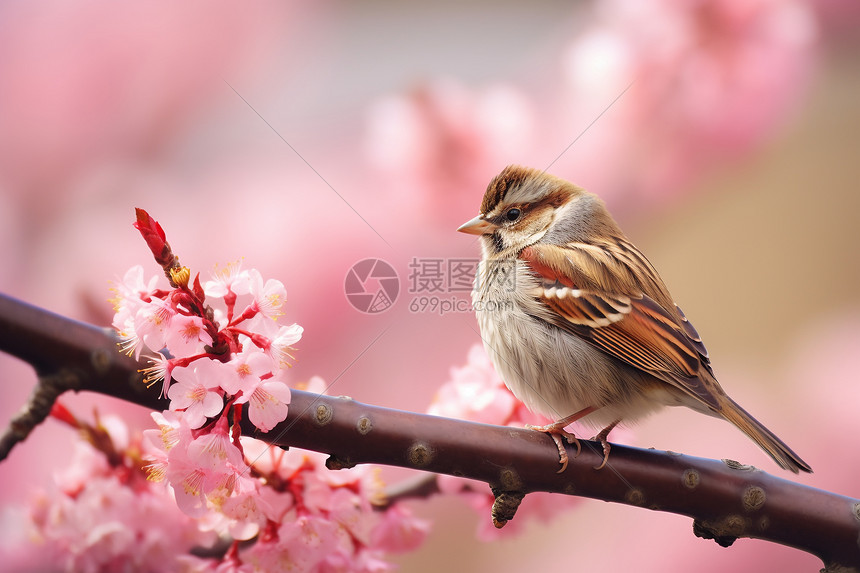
[37, 408]
[419, 486]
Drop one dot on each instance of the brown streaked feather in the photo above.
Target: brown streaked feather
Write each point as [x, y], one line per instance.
[616, 314]
[511, 176]
[767, 440]
[694, 337]
[590, 309]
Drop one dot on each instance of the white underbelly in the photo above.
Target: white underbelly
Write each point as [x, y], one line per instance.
[553, 372]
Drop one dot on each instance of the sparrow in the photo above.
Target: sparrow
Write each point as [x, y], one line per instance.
[579, 324]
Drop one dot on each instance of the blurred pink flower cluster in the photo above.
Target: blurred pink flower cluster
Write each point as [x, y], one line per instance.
[679, 86]
[710, 81]
[105, 515]
[442, 138]
[313, 518]
[476, 392]
[92, 82]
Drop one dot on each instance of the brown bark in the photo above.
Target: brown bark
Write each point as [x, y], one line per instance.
[725, 499]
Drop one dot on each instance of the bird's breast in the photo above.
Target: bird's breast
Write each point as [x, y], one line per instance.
[553, 372]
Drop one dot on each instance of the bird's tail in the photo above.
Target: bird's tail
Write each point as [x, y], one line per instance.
[767, 440]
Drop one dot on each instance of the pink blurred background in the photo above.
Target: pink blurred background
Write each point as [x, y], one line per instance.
[730, 159]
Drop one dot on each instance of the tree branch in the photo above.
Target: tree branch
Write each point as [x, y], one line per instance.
[727, 500]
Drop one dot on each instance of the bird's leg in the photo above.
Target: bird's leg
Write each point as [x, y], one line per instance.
[604, 433]
[556, 432]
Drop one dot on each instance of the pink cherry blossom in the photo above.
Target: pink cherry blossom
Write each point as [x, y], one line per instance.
[173, 429]
[228, 282]
[282, 344]
[308, 540]
[127, 302]
[113, 519]
[151, 323]
[195, 391]
[130, 343]
[301, 517]
[222, 464]
[246, 512]
[269, 296]
[475, 393]
[353, 512]
[268, 403]
[249, 366]
[160, 370]
[186, 336]
[334, 503]
[230, 278]
[110, 526]
[399, 531]
[205, 471]
[132, 289]
[189, 482]
[215, 450]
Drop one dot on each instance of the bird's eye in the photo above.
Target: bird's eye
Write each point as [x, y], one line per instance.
[513, 214]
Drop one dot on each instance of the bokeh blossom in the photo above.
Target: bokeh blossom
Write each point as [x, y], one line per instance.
[104, 515]
[443, 137]
[709, 82]
[476, 392]
[295, 515]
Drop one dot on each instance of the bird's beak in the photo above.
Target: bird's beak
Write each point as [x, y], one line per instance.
[477, 226]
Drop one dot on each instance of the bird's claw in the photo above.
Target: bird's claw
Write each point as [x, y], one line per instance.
[606, 448]
[557, 433]
[602, 437]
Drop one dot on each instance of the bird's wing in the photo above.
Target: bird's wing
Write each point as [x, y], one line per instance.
[593, 293]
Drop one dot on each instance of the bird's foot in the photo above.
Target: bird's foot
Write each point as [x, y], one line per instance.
[557, 432]
[604, 433]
